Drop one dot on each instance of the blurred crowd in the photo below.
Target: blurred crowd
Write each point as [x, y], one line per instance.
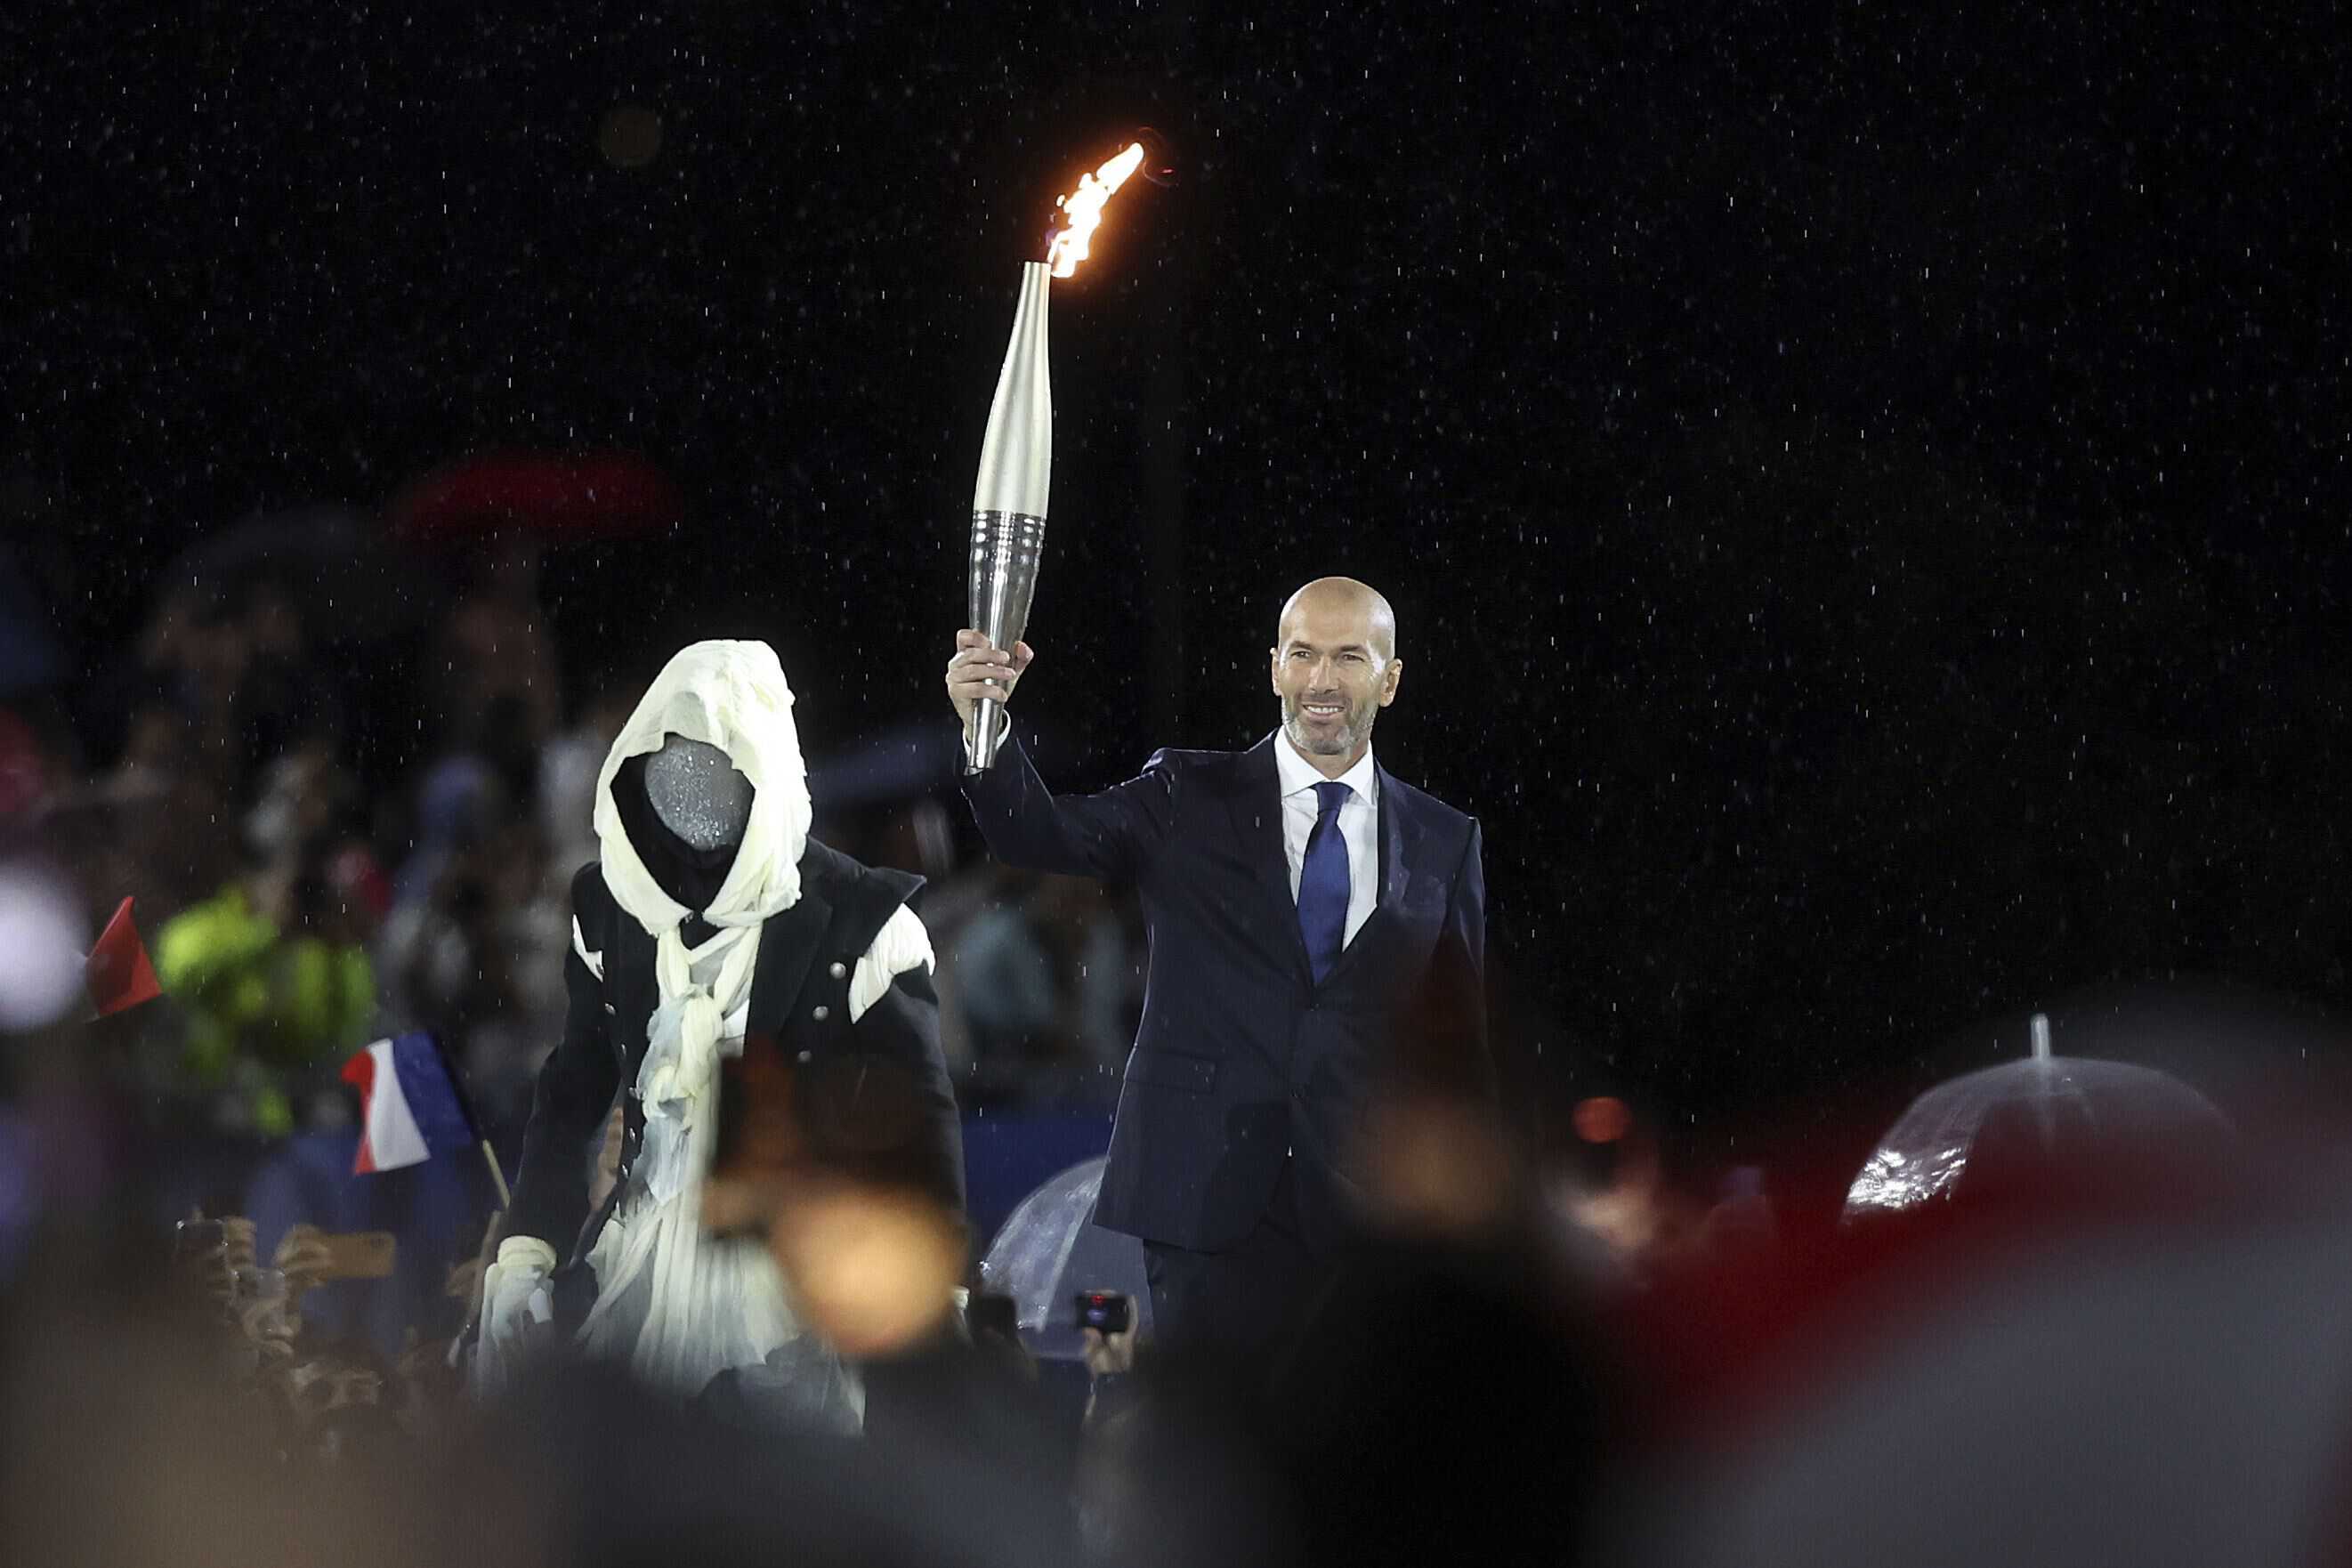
[2094, 1348]
[340, 822]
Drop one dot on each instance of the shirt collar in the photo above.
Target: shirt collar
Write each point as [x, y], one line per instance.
[1298, 776]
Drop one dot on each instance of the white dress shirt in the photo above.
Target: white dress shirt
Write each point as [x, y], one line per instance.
[1359, 826]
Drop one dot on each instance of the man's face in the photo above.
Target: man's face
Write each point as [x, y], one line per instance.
[1333, 670]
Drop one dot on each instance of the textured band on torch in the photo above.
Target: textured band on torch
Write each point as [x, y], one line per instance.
[1008, 503]
[1006, 548]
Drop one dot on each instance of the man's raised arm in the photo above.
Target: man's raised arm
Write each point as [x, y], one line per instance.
[1109, 835]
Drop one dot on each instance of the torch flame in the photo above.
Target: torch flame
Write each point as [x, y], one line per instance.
[1083, 210]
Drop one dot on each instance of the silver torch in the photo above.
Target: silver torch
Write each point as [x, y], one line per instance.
[1008, 503]
[1016, 456]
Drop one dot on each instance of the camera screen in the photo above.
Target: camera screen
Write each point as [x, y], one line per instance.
[1103, 1310]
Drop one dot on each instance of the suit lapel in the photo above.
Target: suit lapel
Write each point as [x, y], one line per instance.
[788, 946]
[1255, 803]
[1399, 836]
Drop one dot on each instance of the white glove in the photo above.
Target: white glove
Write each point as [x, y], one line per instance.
[515, 1302]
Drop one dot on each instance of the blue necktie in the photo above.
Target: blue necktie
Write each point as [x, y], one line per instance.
[1323, 883]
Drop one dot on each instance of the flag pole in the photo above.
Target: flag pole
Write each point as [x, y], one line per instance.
[466, 1103]
[498, 1177]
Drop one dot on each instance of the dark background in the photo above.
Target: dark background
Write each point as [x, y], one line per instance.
[1863, 487]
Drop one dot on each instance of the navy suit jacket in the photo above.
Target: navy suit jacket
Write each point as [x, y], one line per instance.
[1241, 1059]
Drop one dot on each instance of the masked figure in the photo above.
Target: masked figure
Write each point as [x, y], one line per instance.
[712, 926]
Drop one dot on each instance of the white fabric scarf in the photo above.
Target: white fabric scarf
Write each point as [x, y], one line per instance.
[713, 1304]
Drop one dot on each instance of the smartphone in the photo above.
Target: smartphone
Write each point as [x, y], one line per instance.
[1104, 1310]
[989, 1313]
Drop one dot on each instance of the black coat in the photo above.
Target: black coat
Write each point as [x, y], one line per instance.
[1241, 1059]
[798, 1004]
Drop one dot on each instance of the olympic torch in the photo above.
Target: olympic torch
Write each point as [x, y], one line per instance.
[1016, 455]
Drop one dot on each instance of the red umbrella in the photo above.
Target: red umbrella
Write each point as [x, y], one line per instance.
[556, 496]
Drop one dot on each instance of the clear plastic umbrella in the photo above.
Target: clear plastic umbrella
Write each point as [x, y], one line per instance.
[2024, 1110]
[1050, 1250]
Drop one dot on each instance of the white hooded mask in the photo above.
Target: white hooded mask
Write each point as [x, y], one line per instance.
[733, 696]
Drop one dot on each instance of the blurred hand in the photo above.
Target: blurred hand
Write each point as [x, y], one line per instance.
[978, 670]
[1110, 1355]
[305, 1257]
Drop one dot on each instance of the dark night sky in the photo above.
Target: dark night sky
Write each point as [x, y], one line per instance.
[1863, 486]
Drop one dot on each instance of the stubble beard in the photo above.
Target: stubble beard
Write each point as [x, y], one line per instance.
[1350, 735]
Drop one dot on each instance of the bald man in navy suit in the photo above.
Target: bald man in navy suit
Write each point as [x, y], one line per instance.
[1316, 922]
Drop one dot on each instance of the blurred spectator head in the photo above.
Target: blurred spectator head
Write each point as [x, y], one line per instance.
[1604, 1179]
[26, 768]
[304, 795]
[43, 934]
[1436, 1165]
[872, 1267]
[156, 744]
[1444, 1395]
[1185, 1472]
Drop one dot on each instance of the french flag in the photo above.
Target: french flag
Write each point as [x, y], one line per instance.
[412, 1109]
